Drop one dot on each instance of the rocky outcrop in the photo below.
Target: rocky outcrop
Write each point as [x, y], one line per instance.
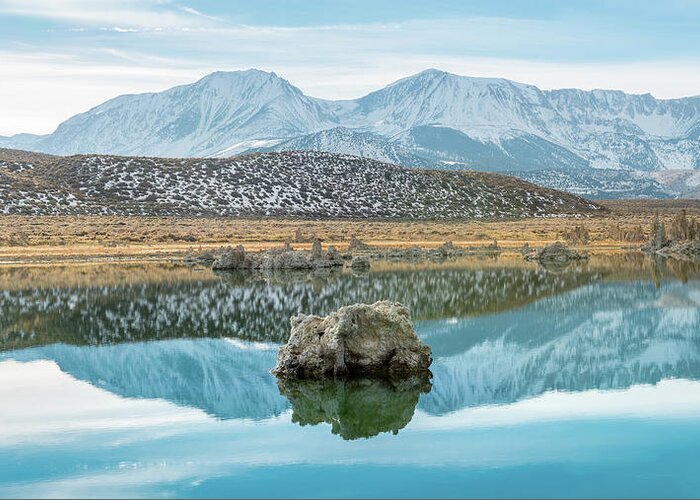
[685, 250]
[445, 251]
[355, 408]
[361, 340]
[232, 258]
[657, 239]
[284, 258]
[684, 242]
[553, 253]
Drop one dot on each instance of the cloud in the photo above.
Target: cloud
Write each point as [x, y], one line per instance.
[125, 13]
[48, 80]
[198, 13]
[40, 90]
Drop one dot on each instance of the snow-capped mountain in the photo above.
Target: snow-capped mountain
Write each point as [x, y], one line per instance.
[482, 108]
[217, 114]
[431, 119]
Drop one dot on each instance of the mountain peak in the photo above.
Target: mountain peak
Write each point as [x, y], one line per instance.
[434, 72]
[437, 77]
[249, 75]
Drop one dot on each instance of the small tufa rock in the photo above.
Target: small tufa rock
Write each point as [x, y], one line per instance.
[360, 340]
[201, 258]
[446, 249]
[684, 250]
[333, 257]
[658, 238]
[231, 258]
[360, 263]
[493, 246]
[578, 235]
[316, 249]
[553, 253]
[283, 260]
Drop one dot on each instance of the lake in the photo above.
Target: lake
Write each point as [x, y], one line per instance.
[152, 380]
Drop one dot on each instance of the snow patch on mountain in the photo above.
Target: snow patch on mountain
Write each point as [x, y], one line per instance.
[425, 120]
[297, 184]
[347, 141]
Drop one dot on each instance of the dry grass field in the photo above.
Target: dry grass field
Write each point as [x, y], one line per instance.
[30, 238]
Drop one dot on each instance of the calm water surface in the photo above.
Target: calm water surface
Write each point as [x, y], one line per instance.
[153, 380]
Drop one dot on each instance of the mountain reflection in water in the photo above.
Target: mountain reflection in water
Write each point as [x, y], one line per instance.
[256, 306]
[499, 335]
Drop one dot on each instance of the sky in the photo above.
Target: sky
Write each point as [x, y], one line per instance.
[62, 57]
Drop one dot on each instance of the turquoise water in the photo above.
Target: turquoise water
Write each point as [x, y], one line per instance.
[577, 382]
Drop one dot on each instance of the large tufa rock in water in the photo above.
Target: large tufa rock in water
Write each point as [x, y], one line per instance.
[360, 340]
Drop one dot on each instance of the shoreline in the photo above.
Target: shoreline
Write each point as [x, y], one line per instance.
[37, 239]
[163, 253]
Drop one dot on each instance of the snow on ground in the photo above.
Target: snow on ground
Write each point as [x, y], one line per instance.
[297, 184]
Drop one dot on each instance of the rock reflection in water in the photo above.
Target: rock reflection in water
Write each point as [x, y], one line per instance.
[354, 408]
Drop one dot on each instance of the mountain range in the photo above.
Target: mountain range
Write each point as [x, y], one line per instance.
[567, 139]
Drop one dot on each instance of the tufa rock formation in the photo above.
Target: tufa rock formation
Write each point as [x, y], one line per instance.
[231, 258]
[445, 251]
[683, 228]
[360, 340]
[316, 249]
[684, 241]
[633, 234]
[281, 258]
[360, 263]
[658, 237]
[553, 253]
